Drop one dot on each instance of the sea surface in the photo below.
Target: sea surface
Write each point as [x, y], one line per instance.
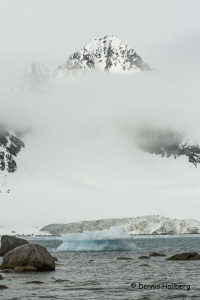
[101, 275]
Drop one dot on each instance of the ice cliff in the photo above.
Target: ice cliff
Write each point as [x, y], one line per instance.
[152, 224]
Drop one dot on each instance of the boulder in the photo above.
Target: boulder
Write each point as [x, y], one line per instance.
[143, 257]
[156, 254]
[54, 258]
[185, 256]
[21, 269]
[29, 255]
[122, 257]
[61, 280]
[9, 243]
[1, 277]
[35, 282]
[7, 271]
[2, 287]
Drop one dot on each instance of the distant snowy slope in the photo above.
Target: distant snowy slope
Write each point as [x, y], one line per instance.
[152, 224]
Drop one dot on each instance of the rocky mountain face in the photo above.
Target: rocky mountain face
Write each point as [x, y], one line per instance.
[168, 143]
[10, 145]
[141, 225]
[104, 54]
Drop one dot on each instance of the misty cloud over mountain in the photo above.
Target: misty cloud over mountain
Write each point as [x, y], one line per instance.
[115, 140]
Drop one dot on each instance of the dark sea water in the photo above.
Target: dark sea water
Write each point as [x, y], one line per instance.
[100, 275]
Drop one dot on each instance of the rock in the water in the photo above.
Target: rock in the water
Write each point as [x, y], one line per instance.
[157, 254]
[2, 287]
[61, 280]
[185, 256]
[1, 277]
[20, 269]
[122, 257]
[143, 257]
[9, 243]
[7, 271]
[54, 258]
[35, 282]
[29, 255]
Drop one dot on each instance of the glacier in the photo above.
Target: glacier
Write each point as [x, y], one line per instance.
[150, 224]
[112, 239]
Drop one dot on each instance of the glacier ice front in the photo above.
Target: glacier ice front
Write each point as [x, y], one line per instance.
[113, 239]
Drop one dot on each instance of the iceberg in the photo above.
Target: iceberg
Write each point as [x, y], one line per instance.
[113, 239]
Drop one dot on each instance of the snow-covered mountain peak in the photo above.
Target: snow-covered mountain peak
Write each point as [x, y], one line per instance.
[96, 44]
[104, 54]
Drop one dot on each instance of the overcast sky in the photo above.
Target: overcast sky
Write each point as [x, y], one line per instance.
[95, 171]
[50, 30]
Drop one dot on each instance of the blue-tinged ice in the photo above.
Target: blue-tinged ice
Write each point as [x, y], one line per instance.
[113, 239]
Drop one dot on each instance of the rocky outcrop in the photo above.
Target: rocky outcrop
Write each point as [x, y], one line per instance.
[10, 145]
[9, 243]
[168, 143]
[185, 256]
[29, 255]
[24, 269]
[143, 257]
[152, 224]
[2, 287]
[156, 254]
[123, 258]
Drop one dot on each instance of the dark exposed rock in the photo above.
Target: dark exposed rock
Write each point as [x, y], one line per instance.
[2, 287]
[61, 280]
[34, 282]
[10, 146]
[168, 143]
[1, 277]
[185, 256]
[157, 254]
[122, 257]
[54, 258]
[7, 271]
[29, 255]
[144, 257]
[22, 269]
[9, 243]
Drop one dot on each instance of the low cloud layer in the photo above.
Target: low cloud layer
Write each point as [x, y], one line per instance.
[83, 157]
